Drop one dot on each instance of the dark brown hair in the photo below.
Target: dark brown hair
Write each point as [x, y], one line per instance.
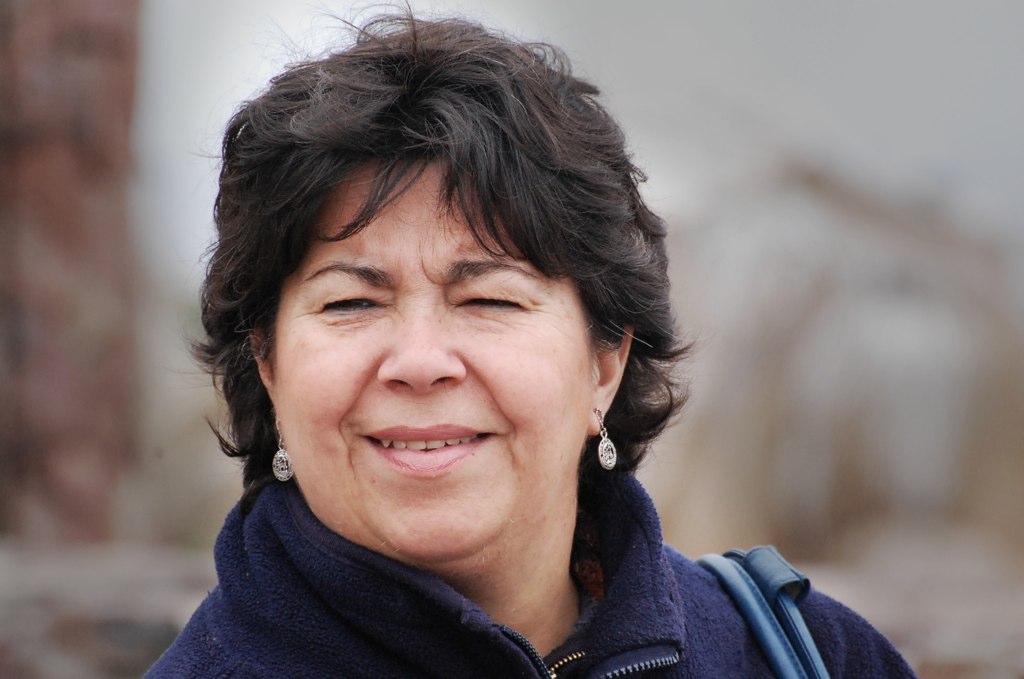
[533, 163]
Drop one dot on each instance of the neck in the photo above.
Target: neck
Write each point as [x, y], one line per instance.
[545, 615]
[529, 590]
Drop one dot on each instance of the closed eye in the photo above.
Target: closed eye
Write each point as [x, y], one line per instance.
[491, 302]
[350, 305]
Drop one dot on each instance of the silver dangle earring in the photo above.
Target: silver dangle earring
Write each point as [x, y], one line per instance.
[606, 454]
[282, 464]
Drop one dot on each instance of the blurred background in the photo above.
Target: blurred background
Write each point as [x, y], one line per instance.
[843, 184]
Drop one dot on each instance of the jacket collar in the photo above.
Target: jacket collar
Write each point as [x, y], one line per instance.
[640, 615]
[284, 570]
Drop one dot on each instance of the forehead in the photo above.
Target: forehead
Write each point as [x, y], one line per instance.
[417, 223]
[418, 208]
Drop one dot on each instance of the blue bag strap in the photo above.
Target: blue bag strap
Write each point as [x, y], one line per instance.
[751, 603]
[766, 589]
[783, 587]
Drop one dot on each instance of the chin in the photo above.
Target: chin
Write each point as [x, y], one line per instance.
[429, 540]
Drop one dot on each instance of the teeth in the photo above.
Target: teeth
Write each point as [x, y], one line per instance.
[425, 445]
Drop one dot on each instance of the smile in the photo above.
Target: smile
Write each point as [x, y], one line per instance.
[426, 445]
[427, 457]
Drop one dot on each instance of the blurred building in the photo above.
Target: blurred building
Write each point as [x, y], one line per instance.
[67, 265]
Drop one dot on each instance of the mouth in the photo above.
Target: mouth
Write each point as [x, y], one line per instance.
[426, 444]
[427, 457]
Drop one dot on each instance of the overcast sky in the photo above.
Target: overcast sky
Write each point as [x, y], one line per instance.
[918, 98]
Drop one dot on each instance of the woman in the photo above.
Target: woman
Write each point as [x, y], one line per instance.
[438, 312]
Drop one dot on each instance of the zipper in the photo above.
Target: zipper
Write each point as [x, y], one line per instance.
[653, 664]
[552, 672]
[558, 666]
[531, 652]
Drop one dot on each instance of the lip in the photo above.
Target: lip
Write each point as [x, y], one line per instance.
[431, 461]
[438, 432]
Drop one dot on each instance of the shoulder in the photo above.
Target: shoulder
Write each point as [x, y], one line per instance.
[716, 636]
[199, 651]
[849, 644]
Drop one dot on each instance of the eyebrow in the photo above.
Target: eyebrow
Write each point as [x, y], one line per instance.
[475, 268]
[371, 275]
[457, 272]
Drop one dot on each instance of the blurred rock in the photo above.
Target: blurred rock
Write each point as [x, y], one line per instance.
[94, 612]
[859, 360]
[951, 598]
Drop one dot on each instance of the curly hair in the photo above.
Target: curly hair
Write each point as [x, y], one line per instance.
[528, 157]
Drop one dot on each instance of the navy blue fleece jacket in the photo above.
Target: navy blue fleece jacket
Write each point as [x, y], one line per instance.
[297, 600]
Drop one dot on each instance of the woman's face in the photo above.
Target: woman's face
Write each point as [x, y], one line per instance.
[434, 400]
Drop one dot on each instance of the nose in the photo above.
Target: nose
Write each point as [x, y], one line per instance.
[421, 356]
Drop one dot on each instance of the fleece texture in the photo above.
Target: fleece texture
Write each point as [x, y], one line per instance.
[297, 600]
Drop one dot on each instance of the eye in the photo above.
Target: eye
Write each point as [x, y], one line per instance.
[350, 305]
[493, 302]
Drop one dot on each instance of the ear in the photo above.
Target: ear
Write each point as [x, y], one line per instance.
[264, 361]
[611, 364]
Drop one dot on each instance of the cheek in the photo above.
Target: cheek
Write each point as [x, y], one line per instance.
[318, 378]
[545, 386]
